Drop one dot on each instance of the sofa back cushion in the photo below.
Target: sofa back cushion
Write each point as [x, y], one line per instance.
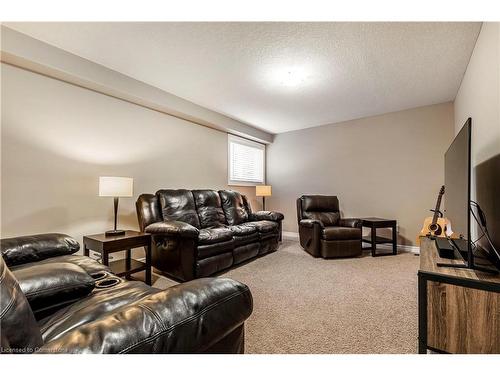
[234, 207]
[18, 328]
[209, 208]
[178, 205]
[26, 249]
[324, 208]
[148, 210]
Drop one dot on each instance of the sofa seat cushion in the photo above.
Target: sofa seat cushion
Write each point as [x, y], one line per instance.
[265, 226]
[95, 306]
[243, 229]
[212, 249]
[214, 235]
[341, 233]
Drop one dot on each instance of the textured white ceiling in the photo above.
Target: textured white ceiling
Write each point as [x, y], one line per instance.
[340, 71]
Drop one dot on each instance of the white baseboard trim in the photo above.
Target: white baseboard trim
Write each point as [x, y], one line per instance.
[294, 236]
[401, 248]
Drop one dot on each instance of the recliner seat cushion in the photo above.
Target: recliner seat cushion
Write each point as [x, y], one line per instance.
[93, 307]
[341, 233]
[214, 235]
[178, 205]
[209, 208]
[234, 207]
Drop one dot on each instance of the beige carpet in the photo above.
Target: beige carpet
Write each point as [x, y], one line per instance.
[308, 305]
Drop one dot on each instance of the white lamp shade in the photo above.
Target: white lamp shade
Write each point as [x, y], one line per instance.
[263, 190]
[116, 186]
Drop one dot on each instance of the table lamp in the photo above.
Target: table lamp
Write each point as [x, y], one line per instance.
[263, 191]
[115, 187]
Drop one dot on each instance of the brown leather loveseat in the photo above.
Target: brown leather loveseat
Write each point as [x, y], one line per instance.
[197, 233]
[322, 232]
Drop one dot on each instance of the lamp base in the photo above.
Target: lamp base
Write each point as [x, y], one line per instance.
[114, 232]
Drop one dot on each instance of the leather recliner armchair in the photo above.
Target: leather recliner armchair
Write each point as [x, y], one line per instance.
[197, 233]
[55, 302]
[322, 232]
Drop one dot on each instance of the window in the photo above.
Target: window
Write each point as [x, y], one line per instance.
[245, 161]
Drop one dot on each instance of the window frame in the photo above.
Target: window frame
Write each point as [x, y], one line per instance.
[236, 139]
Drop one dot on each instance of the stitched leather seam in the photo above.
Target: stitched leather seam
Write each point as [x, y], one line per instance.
[155, 314]
[8, 307]
[11, 302]
[182, 322]
[2, 276]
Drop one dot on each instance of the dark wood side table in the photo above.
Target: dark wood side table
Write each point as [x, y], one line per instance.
[375, 223]
[106, 245]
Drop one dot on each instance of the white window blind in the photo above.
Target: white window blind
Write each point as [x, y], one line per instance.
[246, 161]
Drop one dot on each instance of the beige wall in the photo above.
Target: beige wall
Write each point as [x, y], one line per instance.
[479, 95]
[57, 139]
[389, 166]
[479, 98]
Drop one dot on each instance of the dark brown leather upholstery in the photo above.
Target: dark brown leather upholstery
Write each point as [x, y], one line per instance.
[322, 232]
[224, 232]
[53, 284]
[214, 235]
[27, 249]
[339, 233]
[18, 328]
[178, 205]
[209, 208]
[201, 316]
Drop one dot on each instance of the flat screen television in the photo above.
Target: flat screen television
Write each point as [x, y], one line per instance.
[457, 182]
[458, 204]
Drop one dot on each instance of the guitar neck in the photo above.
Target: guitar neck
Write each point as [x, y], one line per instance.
[438, 205]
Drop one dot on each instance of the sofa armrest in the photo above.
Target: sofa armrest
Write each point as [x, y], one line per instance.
[26, 249]
[187, 318]
[350, 223]
[266, 215]
[173, 228]
[309, 223]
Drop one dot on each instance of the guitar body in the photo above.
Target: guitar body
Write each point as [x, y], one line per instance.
[442, 228]
[436, 225]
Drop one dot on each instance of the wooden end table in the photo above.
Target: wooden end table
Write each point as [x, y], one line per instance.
[375, 223]
[106, 245]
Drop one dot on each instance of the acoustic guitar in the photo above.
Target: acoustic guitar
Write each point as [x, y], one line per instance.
[436, 225]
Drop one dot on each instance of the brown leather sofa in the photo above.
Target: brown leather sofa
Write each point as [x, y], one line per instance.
[198, 233]
[322, 232]
[52, 301]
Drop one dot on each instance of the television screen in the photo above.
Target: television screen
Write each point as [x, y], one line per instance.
[457, 182]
